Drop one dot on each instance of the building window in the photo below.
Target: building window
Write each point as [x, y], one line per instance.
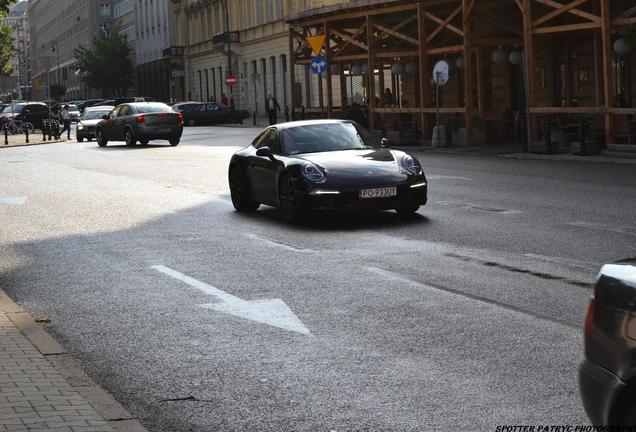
[283, 62]
[273, 66]
[207, 86]
[264, 76]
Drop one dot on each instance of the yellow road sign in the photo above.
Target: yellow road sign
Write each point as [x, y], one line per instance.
[316, 43]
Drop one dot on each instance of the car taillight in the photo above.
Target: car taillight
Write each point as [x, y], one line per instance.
[589, 318]
[141, 119]
[180, 117]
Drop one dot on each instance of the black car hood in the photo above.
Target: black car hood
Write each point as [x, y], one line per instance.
[359, 168]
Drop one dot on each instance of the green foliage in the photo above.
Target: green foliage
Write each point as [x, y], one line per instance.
[57, 91]
[107, 65]
[6, 45]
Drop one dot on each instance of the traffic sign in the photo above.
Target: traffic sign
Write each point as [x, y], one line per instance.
[316, 43]
[318, 65]
[230, 80]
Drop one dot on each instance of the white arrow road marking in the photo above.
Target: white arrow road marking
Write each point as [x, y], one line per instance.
[6, 199]
[273, 312]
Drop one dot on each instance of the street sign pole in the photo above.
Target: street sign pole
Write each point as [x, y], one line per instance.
[437, 74]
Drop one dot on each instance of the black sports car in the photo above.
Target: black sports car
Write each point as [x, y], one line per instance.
[324, 165]
[608, 374]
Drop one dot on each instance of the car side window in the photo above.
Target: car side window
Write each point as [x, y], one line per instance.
[124, 111]
[261, 140]
[114, 112]
[213, 107]
[273, 141]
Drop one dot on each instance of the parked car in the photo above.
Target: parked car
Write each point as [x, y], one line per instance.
[608, 374]
[207, 113]
[87, 123]
[72, 108]
[88, 103]
[109, 102]
[324, 165]
[140, 121]
[32, 112]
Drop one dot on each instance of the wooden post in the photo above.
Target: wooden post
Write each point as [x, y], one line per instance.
[329, 83]
[468, 73]
[606, 38]
[370, 73]
[423, 66]
[481, 101]
[528, 52]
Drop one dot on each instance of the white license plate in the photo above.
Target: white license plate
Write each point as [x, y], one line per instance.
[164, 130]
[378, 192]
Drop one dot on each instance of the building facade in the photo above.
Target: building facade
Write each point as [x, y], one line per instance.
[153, 28]
[125, 23]
[56, 30]
[259, 61]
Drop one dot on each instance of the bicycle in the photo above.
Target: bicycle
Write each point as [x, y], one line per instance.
[15, 127]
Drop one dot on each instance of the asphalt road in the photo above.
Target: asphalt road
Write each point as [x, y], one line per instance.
[465, 316]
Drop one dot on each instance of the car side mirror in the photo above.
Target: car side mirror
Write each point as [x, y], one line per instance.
[385, 143]
[105, 117]
[265, 151]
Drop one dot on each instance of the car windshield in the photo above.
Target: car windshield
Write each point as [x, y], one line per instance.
[73, 108]
[97, 114]
[153, 108]
[326, 137]
[14, 109]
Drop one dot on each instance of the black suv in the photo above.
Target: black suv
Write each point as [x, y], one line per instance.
[32, 112]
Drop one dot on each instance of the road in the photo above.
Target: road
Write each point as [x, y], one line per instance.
[465, 316]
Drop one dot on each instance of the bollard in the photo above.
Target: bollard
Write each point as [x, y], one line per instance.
[287, 113]
[43, 129]
[50, 130]
[26, 132]
[6, 135]
[254, 115]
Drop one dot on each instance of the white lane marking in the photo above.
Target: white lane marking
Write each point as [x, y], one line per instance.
[565, 261]
[273, 312]
[278, 243]
[445, 177]
[605, 227]
[6, 199]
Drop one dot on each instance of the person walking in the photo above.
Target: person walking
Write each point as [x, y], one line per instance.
[272, 107]
[65, 116]
[224, 100]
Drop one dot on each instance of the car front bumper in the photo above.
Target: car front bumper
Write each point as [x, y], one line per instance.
[86, 133]
[600, 389]
[349, 200]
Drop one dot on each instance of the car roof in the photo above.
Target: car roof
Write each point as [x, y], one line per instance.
[136, 104]
[99, 108]
[294, 124]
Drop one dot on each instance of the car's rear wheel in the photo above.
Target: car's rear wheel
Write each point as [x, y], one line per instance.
[101, 140]
[239, 193]
[130, 138]
[408, 209]
[287, 200]
[174, 141]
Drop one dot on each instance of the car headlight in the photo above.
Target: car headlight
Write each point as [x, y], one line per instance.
[80, 126]
[410, 165]
[313, 173]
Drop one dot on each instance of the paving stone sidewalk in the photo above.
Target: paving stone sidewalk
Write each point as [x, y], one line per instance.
[34, 396]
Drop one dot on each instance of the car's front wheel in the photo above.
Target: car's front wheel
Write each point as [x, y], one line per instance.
[101, 140]
[80, 139]
[239, 193]
[287, 199]
[130, 138]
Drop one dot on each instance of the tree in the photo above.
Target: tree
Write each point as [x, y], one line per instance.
[6, 41]
[107, 65]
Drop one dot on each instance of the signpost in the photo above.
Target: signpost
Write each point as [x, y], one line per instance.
[230, 80]
[318, 65]
[440, 76]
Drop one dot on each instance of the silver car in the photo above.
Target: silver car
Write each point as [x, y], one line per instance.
[88, 122]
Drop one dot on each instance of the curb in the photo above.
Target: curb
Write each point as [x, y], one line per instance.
[11, 145]
[103, 402]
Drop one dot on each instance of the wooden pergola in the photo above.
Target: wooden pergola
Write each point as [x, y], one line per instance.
[381, 32]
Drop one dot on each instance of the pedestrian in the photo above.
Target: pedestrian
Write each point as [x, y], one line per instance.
[224, 100]
[272, 107]
[65, 116]
[388, 98]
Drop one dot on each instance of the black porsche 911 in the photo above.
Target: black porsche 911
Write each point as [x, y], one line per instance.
[324, 165]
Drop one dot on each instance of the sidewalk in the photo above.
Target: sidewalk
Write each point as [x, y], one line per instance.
[20, 140]
[42, 388]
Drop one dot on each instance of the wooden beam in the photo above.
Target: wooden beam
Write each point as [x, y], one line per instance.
[325, 28]
[444, 24]
[348, 39]
[468, 71]
[528, 51]
[606, 41]
[519, 5]
[353, 15]
[399, 25]
[454, 49]
[629, 12]
[567, 28]
[396, 34]
[423, 66]
[481, 91]
[623, 21]
[292, 69]
[559, 11]
[494, 18]
[568, 110]
[577, 12]
[370, 73]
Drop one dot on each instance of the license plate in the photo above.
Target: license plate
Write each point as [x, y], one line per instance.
[378, 192]
[164, 130]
